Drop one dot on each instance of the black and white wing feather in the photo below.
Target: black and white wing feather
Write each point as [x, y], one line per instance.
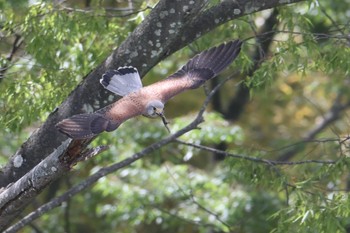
[122, 81]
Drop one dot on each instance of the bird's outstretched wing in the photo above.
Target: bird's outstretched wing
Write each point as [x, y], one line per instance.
[109, 118]
[198, 70]
[83, 126]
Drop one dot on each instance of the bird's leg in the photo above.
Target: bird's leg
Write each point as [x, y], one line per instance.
[165, 122]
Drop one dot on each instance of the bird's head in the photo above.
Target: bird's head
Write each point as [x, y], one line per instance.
[154, 108]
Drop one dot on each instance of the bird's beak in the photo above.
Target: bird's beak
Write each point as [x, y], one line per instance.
[159, 111]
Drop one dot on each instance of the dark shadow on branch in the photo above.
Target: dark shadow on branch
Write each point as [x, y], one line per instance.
[334, 114]
[263, 40]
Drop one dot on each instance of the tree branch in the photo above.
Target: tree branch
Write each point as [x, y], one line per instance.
[15, 47]
[254, 159]
[332, 115]
[264, 40]
[19, 194]
[334, 23]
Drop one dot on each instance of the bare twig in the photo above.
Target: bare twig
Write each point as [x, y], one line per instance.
[239, 101]
[316, 35]
[320, 140]
[15, 47]
[334, 23]
[255, 159]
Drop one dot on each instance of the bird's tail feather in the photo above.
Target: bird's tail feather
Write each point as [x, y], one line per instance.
[85, 126]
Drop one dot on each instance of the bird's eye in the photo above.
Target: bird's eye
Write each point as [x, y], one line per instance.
[154, 109]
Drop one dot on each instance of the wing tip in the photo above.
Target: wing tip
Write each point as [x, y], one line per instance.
[210, 62]
[227, 54]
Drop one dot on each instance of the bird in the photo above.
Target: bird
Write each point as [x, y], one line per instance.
[148, 101]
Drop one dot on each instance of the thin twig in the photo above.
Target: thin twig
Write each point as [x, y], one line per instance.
[330, 117]
[255, 159]
[316, 35]
[334, 23]
[15, 47]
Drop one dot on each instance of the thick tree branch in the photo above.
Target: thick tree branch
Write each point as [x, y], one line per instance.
[19, 194]
[264, 40]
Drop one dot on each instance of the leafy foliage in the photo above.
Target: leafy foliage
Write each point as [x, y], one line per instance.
[61, 46]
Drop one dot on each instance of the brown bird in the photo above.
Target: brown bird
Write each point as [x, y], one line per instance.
[148, 101]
